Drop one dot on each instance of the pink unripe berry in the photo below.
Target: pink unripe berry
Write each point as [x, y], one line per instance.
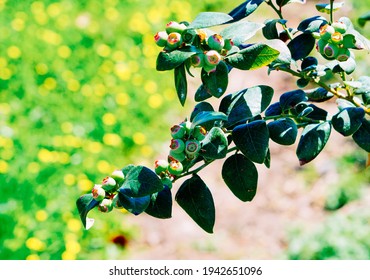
[105, 205]
[216, 42]
[326, 31]
[178, 131]
[174, 40]
[160, 166]
[175, 168]
[109, 184]
[118, 176]
[340, 27]
[174, 26]
[160, 38]
[177, 145]
[98, 192]
[213, 58]
[228, 44]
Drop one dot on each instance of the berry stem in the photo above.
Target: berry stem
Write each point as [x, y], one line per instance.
[280, 14]
[331, 11]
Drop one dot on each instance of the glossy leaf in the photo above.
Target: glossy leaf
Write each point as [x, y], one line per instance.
[252, 140]
[363, 19]
[201, 107]
[241, 176]
[283, 131]
[318, 94]
[362, 135]
[207, 116]
[160, 205]
[173, 59]
[215, 83]
[142, 181]
[245, 9]
[134, 205]
[325, 8]
[270, 30]
[240, 32]
[273, 110]
[181, 84]
[202, 94]
[313, 140]
[301, 46]
[351, 30]
[284, 57]
[348, 121]
[214, 145]
[253, 57]
[312, 24]
[207, 19]
[84, 204]
[196, 199]
[291, 98]
[317, 113]
[282, 3]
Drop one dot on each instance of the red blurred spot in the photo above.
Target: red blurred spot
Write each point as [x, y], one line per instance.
[120, 240]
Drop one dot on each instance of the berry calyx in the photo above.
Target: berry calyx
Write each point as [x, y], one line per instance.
[177, 145]
[178, 131]
[109, 184]
[337, 38]
[343, 54]
[192, 147]
[175, 168]
[197, 60]
[216, 42]
[199, 132]
[213, 58]
[331, 51]
[105, 205]
[174, 41]
[98, 192]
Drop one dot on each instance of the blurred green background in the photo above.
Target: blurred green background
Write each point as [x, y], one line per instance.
[80, 97]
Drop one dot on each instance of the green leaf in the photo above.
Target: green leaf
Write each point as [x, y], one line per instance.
[207, 116]
[325, 8]
[363, 19]
[270, 30]
[207, 19]
[160, 205]
[214, 145]
[202, 94]
[284, 58]
[273, 110]
[200, 107]
[142, 181]
[282, 3]
[245, 9]
[348, 121]
[283, 131]
[365, 85]
[362, 135]
[215, 83]
[241, 31]
[301, 46]
[246, 104]
[313, 140]
[134, 205]
[241, 176]
[253, 57]
[196, 199]
[291, 98]
[312, 24]
[181, 84]
[173, 59]
[252, 139]
[318, 94]
[84, 204]
[351, 30]
[317, 113]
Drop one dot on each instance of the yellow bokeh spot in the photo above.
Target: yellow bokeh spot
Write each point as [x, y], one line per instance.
[54, 9]
[122, 99]
[33, 167]
[69, 179]
[86, 90]
[45, 155]
[32, 257]
[51, 37]
[104, 167]
[111, 14]
[150, 87]
[3, 61]
[73, 85]
[146, 151]
[103, 50]
[41, 68]
[93, 147]
[169, 94]
[41, 215]
[139, 138]
[74, 225]
[64, 51]
[5, 73]
[85, 185]
[112, 139]
[67, 75]
[68, 256]
[73, 247]
[50, 83]
[109, 119]
[100, 90]
[35, 244]
[18, 24]
[4, 167]
[67, 127]
[7, 154]
[138, 23]
[122, 71]
[63, 157]
[155, 101]
[118, 56]
[14, 52]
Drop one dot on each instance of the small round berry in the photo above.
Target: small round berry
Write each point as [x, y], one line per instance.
[98, 192]
[178, 131]
[177, 145]
[105, 205]
[109, 184]
[187, 126]
[197, 60]
[343, 54]
[175, 168]
[118, 176]
[330, 51]
[177, 156]
[340, 27]
[174, 41]
[160, 166]
[160, 38]
[216, 42]
[228, 44]
[212, 58]
[337, 38]
[192, 147]
[199, 132]
[115, 202]
[174, 26]
[202, 35]
[326, 31]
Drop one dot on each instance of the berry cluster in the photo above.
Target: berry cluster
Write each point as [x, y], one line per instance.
[334, 43]
[185, 146]
[106, 192]
[210, 47]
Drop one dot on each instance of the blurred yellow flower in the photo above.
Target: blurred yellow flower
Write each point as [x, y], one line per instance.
[35, 244]
[155, 101]
[64, 51]
[150, 86]
[122, 98]
[112, 139]
[73, 85]
[74, 225]
[93, 147]
[41, 215]
[41, 68]
[85, 185]
[103, 50]
[5, 73]
[122, 71]
[51, 37]
[69, 179]
[109, 119]
[146, 151]
[139, 138]
[104, 167]
[17, 24]
[68, 256]
[3, 167]
[33, 257]
[50, 83]
[138, 23]
[54, 9]
[73, 247]
[112, 14]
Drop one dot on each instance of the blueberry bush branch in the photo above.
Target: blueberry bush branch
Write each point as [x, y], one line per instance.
[240, 130]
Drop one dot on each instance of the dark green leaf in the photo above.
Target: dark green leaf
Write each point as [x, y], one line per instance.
[282, 3]
[173, 59]
[363, 19]
[202, 94]
[270, 30]
[347, 121]
[309, 63]
[273, 110]
[181, 84]
[312, 24]
[160, 205]
[318, 94]
[362, 135]
[134, 205]
[245, 9]
[267, 161]
[241, 31]
[215, 83]
[291, 98]
[284, 57]
[142, 181]
[313, 140]
[283, 131]
[325, 8]
[253, 57]
[84, 204]
[317, 113]
[301, 46]
[207, 19]
[241, 176]
[196, 199]
[214, 145]
[201, 107]
[252, 140]
[207, 116]
[360, 39]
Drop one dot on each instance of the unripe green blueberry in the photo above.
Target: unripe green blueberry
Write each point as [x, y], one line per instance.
[115, 202]
[197, 60]
[188, 36]
[177, 156]
[199, 132]
[98, 192]
[167, 182]
[331, 51]
[109, 184]
[175, 168]
[160, 38]
[340, 27]
[228, 44]
[174, 41]
[118, 176]
[216, 42]
[160, 166]
[343, 54]
[192, 148]
[178, 131]
[337, 38]
[209, 68]
[105, 205]
[177, 145]
[320, 45]
[326, 31]
[212, 58]
[174, 26]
